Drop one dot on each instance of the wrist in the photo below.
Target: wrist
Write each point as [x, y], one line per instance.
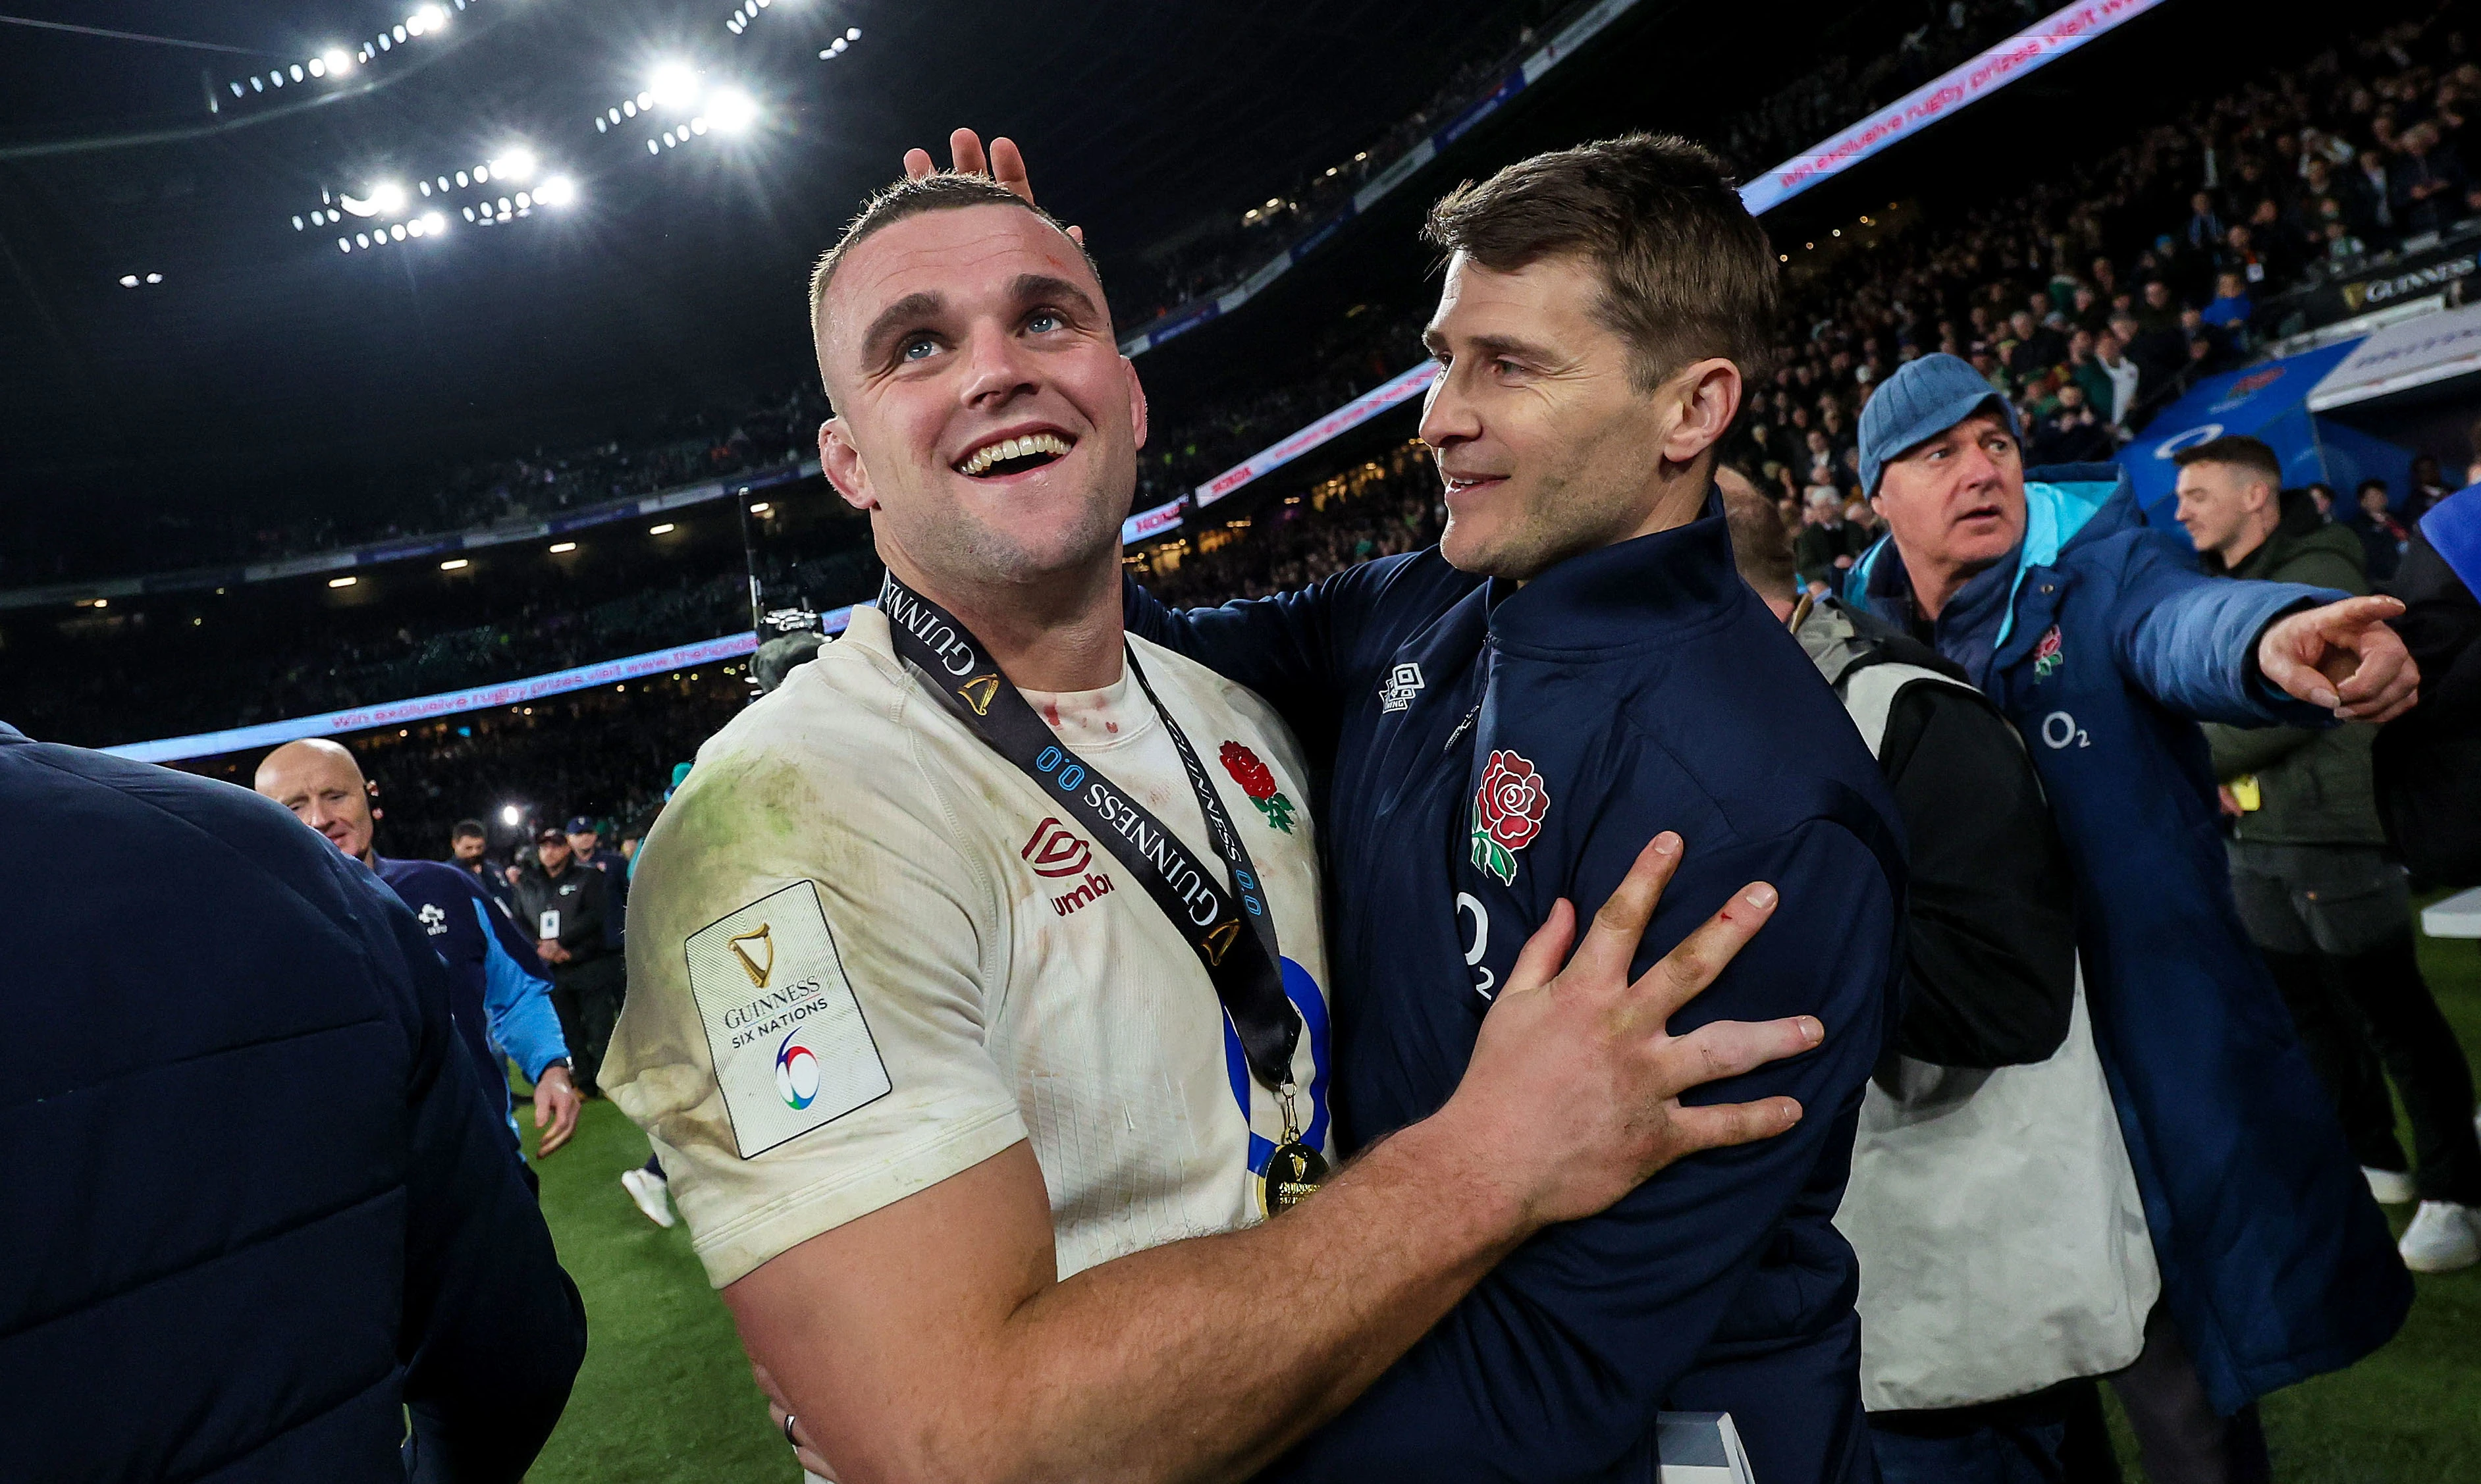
[1454, 1151]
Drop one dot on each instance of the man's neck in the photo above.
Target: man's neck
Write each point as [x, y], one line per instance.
[1935, 585]
[2245, 541]
[1064, 633]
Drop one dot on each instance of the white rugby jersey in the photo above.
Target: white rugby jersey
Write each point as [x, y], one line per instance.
[867, 953]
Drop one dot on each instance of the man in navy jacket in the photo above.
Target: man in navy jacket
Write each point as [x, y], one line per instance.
[503, 997]
[1577, 667]
[208, 1277]
[2100, 638]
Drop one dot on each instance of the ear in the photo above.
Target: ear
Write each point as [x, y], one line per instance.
[1706, 397]
[1137, 404]
[842, 465]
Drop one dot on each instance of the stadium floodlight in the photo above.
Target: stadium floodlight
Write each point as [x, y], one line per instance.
[673, 85]
[388, 197]
[760, 508]
[431, 16]
[454, 564]
[509, 815]
[432, 221]
[339, 61]
[731, 110]
[558, 191]
[318, 67]
[515, 164]
[665, 527]
[129, 280]
[559, 547]
[342, 582]
[154, 278]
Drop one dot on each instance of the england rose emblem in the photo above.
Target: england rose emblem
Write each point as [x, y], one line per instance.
[1507, 813]
[1258, 783]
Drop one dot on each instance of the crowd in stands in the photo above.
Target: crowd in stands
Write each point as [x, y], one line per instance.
[2095, 294]
[2092, 296]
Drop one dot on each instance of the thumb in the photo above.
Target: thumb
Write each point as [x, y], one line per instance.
[2287, 658]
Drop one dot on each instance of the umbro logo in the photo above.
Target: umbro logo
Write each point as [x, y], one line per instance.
[1057, 851]
[1397, 692]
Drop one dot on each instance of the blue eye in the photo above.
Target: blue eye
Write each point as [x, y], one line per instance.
[919, 347]
[1043, 321]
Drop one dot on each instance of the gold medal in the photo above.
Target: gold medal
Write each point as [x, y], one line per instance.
[1293, 1173]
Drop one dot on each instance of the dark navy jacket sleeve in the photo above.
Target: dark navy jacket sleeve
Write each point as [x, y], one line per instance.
[1555, 1367]
[494, 1331]
[1301, 651]
[2189, 640]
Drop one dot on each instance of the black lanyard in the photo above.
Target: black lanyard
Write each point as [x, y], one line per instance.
[1233, 939]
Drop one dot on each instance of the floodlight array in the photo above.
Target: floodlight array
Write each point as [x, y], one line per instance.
[840, 44]
[675, 89]
[388, 213]
[335, 63]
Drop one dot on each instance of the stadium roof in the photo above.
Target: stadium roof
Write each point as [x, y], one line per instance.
[250, 347]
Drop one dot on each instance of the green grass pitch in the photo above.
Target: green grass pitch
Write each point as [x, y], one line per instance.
[666, 1395]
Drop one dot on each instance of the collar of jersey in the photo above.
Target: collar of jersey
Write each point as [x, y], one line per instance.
[1641, 590]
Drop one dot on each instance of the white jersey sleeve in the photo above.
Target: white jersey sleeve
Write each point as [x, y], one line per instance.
[807, 1032]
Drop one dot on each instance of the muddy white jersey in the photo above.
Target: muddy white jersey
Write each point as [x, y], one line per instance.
[866, 952]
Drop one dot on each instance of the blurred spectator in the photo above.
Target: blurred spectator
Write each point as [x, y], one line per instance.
[206, 1275]
[564, 905]
[2382, 536]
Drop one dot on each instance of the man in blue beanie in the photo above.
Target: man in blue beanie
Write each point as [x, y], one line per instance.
[2101, 640]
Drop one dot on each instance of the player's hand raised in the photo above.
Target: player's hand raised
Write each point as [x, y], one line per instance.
[1004, 163]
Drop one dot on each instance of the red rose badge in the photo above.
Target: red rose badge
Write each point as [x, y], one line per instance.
[1258, 783]
[1507, 813]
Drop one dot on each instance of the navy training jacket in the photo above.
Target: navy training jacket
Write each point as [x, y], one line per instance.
[503, 993]
[1493, 750]
[256, 1204]
[2105, 644]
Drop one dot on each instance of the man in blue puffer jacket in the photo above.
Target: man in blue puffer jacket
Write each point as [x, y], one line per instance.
[2098, 638]
[209, 1277]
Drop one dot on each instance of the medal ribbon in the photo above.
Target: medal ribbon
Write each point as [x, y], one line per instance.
[1231, 931]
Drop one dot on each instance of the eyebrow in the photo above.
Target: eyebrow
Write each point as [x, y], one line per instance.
[1487, 346]
[914, 308]
[892, 320]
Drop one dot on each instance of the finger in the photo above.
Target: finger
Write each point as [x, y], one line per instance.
[1611, 943]
[808, 1458]
[1539, 961]
[965, 147]
[775, 1404]
[2357, 613]
[2396, 708]
[1688, 968]
[916, 164]
[1008, 168]
[564, 1123]
[1726, 1124]
[2382, 659]
[1729, 1047]
[1077, 235]
[2284, 670]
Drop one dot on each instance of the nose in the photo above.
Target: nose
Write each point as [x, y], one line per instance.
[998, 368]
[1448, 416]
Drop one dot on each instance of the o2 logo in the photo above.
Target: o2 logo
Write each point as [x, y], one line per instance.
[2059, 730]
[1485, 981]
[797, 1075]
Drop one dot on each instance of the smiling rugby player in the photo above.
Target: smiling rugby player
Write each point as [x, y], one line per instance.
[978, 1001]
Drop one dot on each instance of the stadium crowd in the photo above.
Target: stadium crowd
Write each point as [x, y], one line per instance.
[2051, 322]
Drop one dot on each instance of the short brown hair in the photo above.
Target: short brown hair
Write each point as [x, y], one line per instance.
[2239, 451]
[945, 191]
[1687, 272]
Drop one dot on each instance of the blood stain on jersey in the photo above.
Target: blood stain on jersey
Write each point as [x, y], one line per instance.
[1258, 782]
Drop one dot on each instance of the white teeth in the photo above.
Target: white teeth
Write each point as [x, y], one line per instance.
[981, 458]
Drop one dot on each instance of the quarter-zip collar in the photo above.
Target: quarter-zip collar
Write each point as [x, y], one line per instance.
[1638, 592]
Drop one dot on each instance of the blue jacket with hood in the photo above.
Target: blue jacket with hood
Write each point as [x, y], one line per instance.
[2106, 645]
[1494, 749]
